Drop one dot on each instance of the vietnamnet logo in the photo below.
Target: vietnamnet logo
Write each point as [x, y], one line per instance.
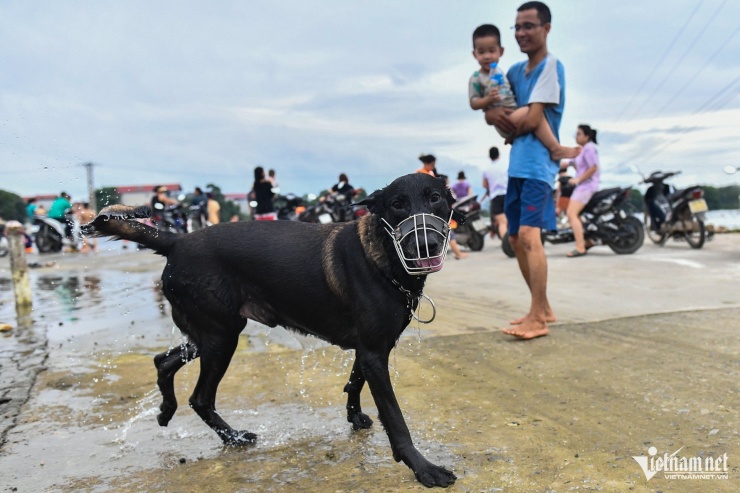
[674, 467]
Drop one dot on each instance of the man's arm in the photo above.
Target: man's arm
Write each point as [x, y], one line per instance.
[499, 116]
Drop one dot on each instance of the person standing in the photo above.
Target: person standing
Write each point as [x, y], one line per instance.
[31, 210]
[494, 181]
[263, 195]
[213, 210]
[461, 188]
[539, 83]
[586, 184]
[198, 212]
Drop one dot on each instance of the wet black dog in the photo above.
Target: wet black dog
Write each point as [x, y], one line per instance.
[280, 273]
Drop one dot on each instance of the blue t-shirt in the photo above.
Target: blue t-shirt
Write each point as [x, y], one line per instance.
[529, 158]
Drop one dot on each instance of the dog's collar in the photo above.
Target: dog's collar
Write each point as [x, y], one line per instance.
[412, 301]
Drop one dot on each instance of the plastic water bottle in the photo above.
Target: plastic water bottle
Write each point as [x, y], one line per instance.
[497, 78]
[497, 81]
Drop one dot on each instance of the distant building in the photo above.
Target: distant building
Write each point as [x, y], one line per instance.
[240, 199]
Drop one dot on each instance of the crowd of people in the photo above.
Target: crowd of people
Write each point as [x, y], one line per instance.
[525, 106]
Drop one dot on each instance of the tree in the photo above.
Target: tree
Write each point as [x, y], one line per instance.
[12, 207]
[106, 196]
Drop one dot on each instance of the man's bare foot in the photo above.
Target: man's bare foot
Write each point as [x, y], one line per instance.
[461, 255]
[549, 318]
[562, 152]
[529, 329]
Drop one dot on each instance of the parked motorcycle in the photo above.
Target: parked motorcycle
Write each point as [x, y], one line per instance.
[170, 218]
[670, 212]
[335, 208]
[606, 221]
[51, 235]
[473, 231]
[288, 207]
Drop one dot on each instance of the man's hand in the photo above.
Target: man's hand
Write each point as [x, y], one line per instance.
[499, 117]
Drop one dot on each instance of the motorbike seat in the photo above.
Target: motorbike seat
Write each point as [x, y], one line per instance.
[465, 201]
[600, 195]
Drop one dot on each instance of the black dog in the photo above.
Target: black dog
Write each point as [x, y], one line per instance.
[278, 273]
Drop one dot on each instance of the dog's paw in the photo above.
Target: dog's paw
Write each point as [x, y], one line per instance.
[360, 421]
[432, 475]
[165, 416]
[239, 438]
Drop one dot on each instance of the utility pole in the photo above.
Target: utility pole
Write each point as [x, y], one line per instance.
[90, 185]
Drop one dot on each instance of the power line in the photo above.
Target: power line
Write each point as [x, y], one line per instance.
[698, 72]
[676, 65]
[661, 59]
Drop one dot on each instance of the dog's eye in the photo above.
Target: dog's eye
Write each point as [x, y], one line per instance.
[397, 204]
[435, 197]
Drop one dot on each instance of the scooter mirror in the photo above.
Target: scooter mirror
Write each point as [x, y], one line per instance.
[181, 197]
[637, 170]
[159, 205]
[730, 169]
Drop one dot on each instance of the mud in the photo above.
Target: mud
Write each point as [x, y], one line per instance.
[562, 413]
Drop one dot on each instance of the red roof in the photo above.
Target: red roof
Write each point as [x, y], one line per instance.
[236, 196]
[148, 188]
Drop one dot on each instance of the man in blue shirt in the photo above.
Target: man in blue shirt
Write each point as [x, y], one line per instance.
[540, 84]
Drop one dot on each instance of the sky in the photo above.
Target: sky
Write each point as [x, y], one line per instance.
[200, 92]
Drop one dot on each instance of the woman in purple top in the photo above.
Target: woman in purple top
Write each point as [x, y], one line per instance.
[462, 187]
[586, 182]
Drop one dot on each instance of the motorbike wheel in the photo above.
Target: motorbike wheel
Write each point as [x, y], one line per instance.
[632, 236]
[506, 246]
[47, 240]
[4, 247]
[696, 238]
[475, 242]
[655, 237]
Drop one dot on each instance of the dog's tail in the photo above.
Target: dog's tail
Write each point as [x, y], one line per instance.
[119, 222]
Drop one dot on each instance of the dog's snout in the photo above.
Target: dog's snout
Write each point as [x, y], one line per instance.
[428, 245]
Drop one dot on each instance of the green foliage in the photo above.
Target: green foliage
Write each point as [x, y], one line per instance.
[717, 198]
[12, 206]
[106, 196]
[723, 197]
[636, 200]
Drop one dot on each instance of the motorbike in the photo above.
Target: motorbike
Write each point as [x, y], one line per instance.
[51, 235]
[288, 207]
[170, 218]
[671, 212]
[196, 217]
[335, 208]
[473, 231]
[607, 220]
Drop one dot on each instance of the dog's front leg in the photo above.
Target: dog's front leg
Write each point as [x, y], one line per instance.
[353, 388]
[375, 369]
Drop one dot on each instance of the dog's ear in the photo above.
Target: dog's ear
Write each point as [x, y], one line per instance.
[374, 202]
[448, 195]
[457, 216]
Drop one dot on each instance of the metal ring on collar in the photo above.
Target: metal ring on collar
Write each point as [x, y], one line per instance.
[434, 311]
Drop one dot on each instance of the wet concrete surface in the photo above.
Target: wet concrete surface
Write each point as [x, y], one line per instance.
[645, 353]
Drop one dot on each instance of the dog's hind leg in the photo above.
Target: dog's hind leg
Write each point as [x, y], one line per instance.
[167, 364]
[216, 353]
[353, 388]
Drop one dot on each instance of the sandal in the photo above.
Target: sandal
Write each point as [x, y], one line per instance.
[575, 253]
